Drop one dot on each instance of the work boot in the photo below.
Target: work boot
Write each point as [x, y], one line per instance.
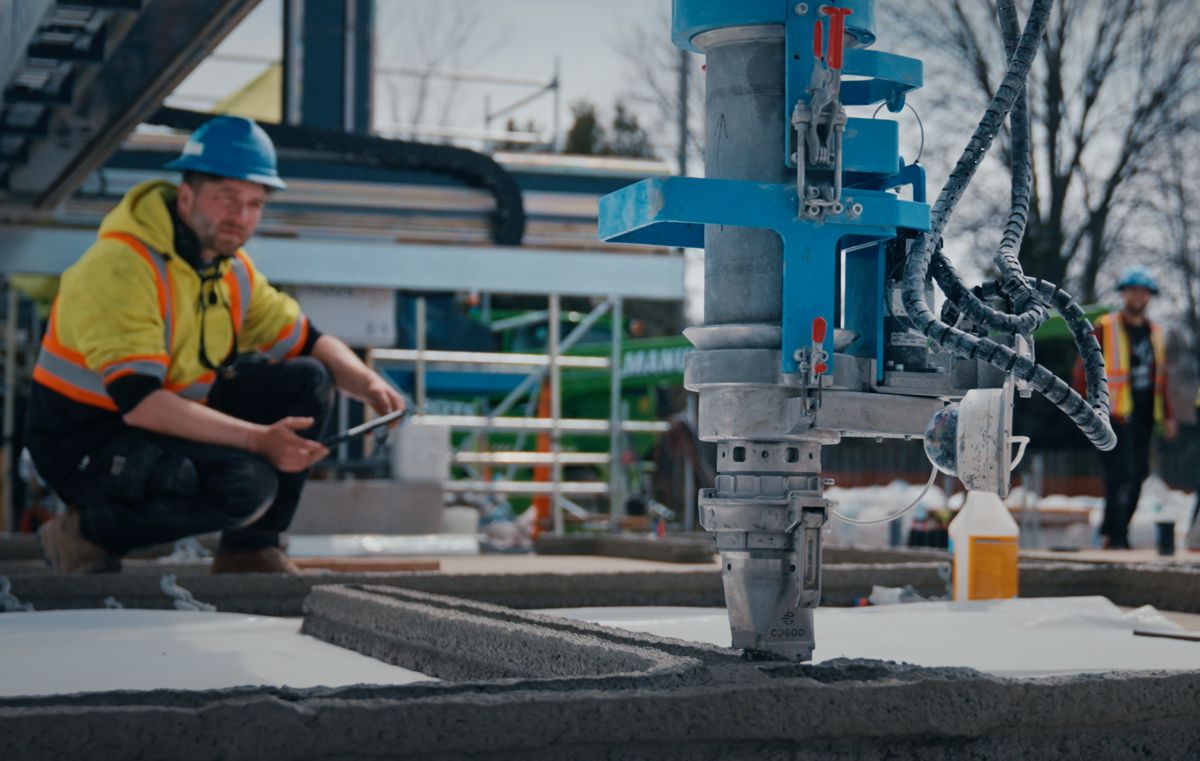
[265, 560]
[67, 551]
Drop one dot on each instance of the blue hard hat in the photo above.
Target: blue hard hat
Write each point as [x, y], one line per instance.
[231, 146]
[1132, 277]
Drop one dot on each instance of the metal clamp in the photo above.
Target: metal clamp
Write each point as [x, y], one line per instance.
[810, 517]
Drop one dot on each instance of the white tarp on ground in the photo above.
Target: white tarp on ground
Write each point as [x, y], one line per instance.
[67, 651]
[1013, 638]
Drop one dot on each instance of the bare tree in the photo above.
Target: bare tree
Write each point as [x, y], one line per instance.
[652, 69]
[1115, 80]
[1173, 213]
[431, 38]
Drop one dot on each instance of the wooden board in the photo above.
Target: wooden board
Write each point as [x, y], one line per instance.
[366, 565]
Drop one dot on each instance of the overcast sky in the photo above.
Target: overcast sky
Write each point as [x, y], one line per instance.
[520, 38]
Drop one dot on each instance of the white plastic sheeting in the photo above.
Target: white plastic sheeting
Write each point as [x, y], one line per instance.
[367, 545]
[1158, 502]
[68, 651]
[1012, 638]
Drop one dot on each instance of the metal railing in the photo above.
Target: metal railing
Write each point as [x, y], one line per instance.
[541, 367]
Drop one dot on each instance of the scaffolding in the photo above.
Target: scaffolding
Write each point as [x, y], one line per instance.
[541, 368]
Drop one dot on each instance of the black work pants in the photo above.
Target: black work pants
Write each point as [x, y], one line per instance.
[143, 488]
[1125, 467]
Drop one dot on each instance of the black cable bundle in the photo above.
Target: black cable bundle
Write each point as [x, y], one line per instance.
[1028, 298]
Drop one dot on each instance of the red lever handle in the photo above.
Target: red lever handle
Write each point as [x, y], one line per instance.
[837, 30]
[819, 328]
[818, 43]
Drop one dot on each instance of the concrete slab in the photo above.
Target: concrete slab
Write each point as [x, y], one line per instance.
[584, 692]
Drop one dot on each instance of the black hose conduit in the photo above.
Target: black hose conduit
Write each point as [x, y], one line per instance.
[473, 169]
[1028, 312]
[1027, 297]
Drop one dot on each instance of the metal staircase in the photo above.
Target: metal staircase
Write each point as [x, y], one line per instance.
[78, 76]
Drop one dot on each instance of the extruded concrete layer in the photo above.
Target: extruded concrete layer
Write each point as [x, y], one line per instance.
[679, 549]
[378, 595]
[679, 707]
[460, 640]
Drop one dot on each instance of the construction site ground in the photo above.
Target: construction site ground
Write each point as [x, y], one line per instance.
[514, 683]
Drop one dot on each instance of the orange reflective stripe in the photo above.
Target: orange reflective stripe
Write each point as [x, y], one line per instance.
[245, 260]
[160, 359]
[43, 375]
[289, 342]
[1117, 364]
[197, 390]
[239, 281]
[65, 370]
[162, 282]
[208, 377]
[50, 340]
[143, 252]
[1160, 372]
[110, 377]
[152, 366]
[302, 339]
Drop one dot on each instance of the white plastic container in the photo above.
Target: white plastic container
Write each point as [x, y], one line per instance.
[983, 547]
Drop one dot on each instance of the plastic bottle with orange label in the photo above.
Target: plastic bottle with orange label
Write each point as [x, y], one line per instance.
[983, 547]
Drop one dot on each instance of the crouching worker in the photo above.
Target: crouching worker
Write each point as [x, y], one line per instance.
[140, 418]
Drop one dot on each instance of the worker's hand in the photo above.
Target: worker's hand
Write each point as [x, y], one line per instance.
[1170, 429]
[381, 395]
[284, 448]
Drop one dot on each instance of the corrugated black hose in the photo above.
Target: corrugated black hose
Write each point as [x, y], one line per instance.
[1093, 419]
[474, 169]
[1028, 312]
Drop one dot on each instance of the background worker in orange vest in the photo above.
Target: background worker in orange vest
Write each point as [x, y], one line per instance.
[145, 415]
[1135, 361]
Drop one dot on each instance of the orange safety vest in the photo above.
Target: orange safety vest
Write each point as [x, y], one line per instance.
[66, 372]
[1117, 367]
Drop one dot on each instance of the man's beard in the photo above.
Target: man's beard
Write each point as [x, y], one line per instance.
[1136, 310]
[223, 243]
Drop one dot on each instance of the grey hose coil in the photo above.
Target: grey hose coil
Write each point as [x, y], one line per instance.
[1028, 313]
[1006, 259]
[1081, 330]
[1092, 419]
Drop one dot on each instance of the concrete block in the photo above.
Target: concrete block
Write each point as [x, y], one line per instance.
[421, 453]
[369, 507]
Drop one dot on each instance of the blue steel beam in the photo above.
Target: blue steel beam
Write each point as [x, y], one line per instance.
[674, 211]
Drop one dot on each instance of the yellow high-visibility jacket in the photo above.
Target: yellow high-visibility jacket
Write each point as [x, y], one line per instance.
[1110, 329]
[133, 306]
